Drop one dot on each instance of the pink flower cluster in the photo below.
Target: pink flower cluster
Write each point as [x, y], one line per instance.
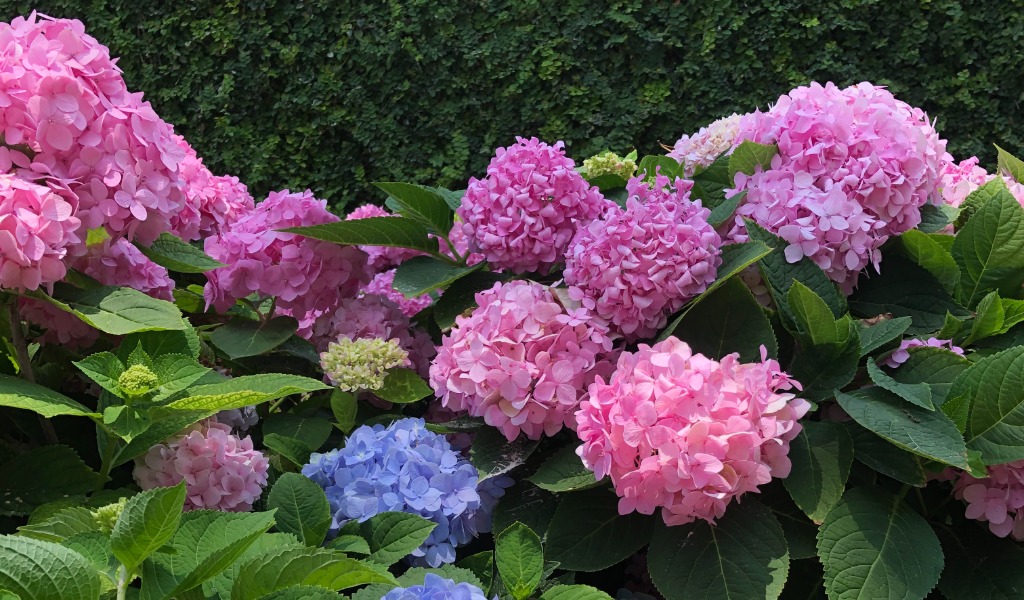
[699, 150]
[381, 257]
[854, 167]
[220, 470]
[308, 277]
[37, 226]
[686, 433]
[960, 179]
[522, 216]
[211, 202]
[901, 354]
[998, 499]
[635, 267]
[382, 284]
[521, 360]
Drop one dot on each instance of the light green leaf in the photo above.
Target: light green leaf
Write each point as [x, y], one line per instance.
[403, 386]
[350, 544]
[520, 560]
[656, 163]
[344, 407]
[302, 508]
[1010, 165]
[915, 393]
[993, 389]
[988, 320]
[393, 535]
[147, 522]
[18, 393]
[64, 524]
[175, 254]
[494, 455]
[563, 471]
[158, 343]
[872, 545]
[95, 548]
[748, 156]
[729, 321]
[743, 556]
[588, 534]
[416, 575]
[41, 475]
[220, 585]
[301, 592]
[176, 372]
[822, 456]
[38, 570]
[574, 592]
[245, 391]
[814, 318]
[278, 569]
[421, 204]
[904, 289]
[875, 336]
[291, 449]
[372, 231]
[989, 249]
[481, 565]
[116, 310]
[423, 274]
[930, 255]
[103, 368]
[240, 338]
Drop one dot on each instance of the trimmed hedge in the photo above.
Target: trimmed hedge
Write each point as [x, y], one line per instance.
[334, 94]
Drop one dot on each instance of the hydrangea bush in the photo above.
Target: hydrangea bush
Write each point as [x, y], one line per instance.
[784, 360]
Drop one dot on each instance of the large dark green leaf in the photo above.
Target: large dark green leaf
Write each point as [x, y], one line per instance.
[116, 310]
[821, 456]
[729, 320]
[904, 289]
[423, 274]
[993, 389]
[372, 231]
[173, 253]
[587, 532]
[239, 338]
[989, 249]
[420, 203]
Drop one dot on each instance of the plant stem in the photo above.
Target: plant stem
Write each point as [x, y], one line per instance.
[122, 582]
[25, 364]
[107, 459]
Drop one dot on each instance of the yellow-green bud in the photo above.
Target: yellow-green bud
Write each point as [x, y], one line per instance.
[609, 163]
[107, 515]
[361, 364]
[137, 380]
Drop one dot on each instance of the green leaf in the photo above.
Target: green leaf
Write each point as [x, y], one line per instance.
[563, 471]
[403, 386]
[520, 560]
[34, 569]
[103, 368]
[884, 457]
[979, 565]
[822, 456]
[291, 449]
[951, 328]
[481, 565]
[588, 534]
[977, 199]
[461, 296]
[937, 367]
[824, 368]
[350, 544]
[18, 393]
[416, 575]
[915, 393]
[743, 556]
[656, 163]
[750, 155]
[813, 317]
[344, 407]
[220, 585]
[875, 336]
[993, 389]
[244, 391]
[989, 249]
[872, 545]
[930, 255]
[302, 508]
[157, 343]
[988, 320]
[95, 548]
[1010, 165]
[372, 231]
[41, 475]
[926, 433]
[393, 535]
[311, 431]
[1013, 314]
[174, 254]
[904, 289]
[240, 338]
[278, 569]
[722, 213]
[205, 544]
[421, 204]
[574, 592]
[61, 526]
[527, 504]
[148, 520]
[176, 372]
[494, 455]
[729, 321]
[423, 274]
[116, 310]
[935, 218]
[800, 531]
[301, 592]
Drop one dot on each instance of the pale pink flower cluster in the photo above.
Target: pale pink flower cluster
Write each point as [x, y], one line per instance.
[373, 316]
[637, 266]
[37, 226]
[381, 257]
[382, 284]
[699, 150]
[521, 360]
[688, 434]
[854, 167]
[997, 499]
[211, 201]
[308, 277]
[64, 100]
[960, 179]
[220, 470]
[901, 354]
[522, 216]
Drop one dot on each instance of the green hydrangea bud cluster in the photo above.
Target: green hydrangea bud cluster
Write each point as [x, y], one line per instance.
[107, 515]
[137, 380]
[361, 364]
[609, 163]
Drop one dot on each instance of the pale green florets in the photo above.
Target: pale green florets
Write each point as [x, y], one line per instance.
[107, 515]
[609, 163]
[361, 364]
[137, 380]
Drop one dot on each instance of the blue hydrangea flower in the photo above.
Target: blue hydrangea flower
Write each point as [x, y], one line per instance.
[406, 467]
[436, 587]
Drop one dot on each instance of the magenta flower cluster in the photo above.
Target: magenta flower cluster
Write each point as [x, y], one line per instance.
[635, 267]
[211, 202]
[220, 470]
[854, 167]
[521, 360]
[997, 499]
[37, 226]
[901, 354]
[960, 179]
[522, 216]
[383, 284]
[688, 434]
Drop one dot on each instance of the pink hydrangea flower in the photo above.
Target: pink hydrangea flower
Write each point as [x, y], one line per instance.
[854, 167]
[688, 434]
[521, 360]
[900, 355]
[460, 242]
[308, 277]
[37, 226]
[381, 257]
[221, 471]
[211, 202]
[523, 215]
[382, 284]
[960, 179]
[997, 499]
[635, 267]
[699, 150]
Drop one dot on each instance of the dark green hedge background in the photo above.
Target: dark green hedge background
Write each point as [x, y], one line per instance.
[333, 94]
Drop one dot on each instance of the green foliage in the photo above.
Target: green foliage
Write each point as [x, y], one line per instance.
[36, 569]
[240, 338]
[588, 534]
[302, 508]
[563, 472]
[822, 456]
[146, 523]
[176, 255]
[520, 560]
[42, 475]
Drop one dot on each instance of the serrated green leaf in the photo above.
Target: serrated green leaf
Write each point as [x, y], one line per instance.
[416, 575]
[872, 545]
[813, 317]
[721, 561]
[574, 592]
[393, 535]
[915, 393]
[989, 249]
[988, 320]
[936, 218]
[729, 321]
[403, 386]
[176, 372]
[117, 310]
[938, 367]
[240, 338]
[904, 289]
[302, 508]
[265, 545]
[291, 449]
[350, 544]
[520, 560]
[301, 592]
[823, 368]
[656, 163]
[875, 336]
[158, 343]
[1013, 314]
[822, 455]
[886, 458]
[95, 548]
[494, 455]
[175, 254]
[724, 211]
[588, 534]
[423, 275]
[64, 524]
[147, 522]
[930, 255]
[980, 566]
[344, 407]
[372, 231]
[527, 504]
[563, 471]
[1010, 165]
[42, 475]
[481, 565]
[303, 566]
[799, 530]
[34, 569]
[18, 393]
[311, 431]
[245, 391]
[748, 156]
[103, 368]
[421, 204]
[993, 389]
